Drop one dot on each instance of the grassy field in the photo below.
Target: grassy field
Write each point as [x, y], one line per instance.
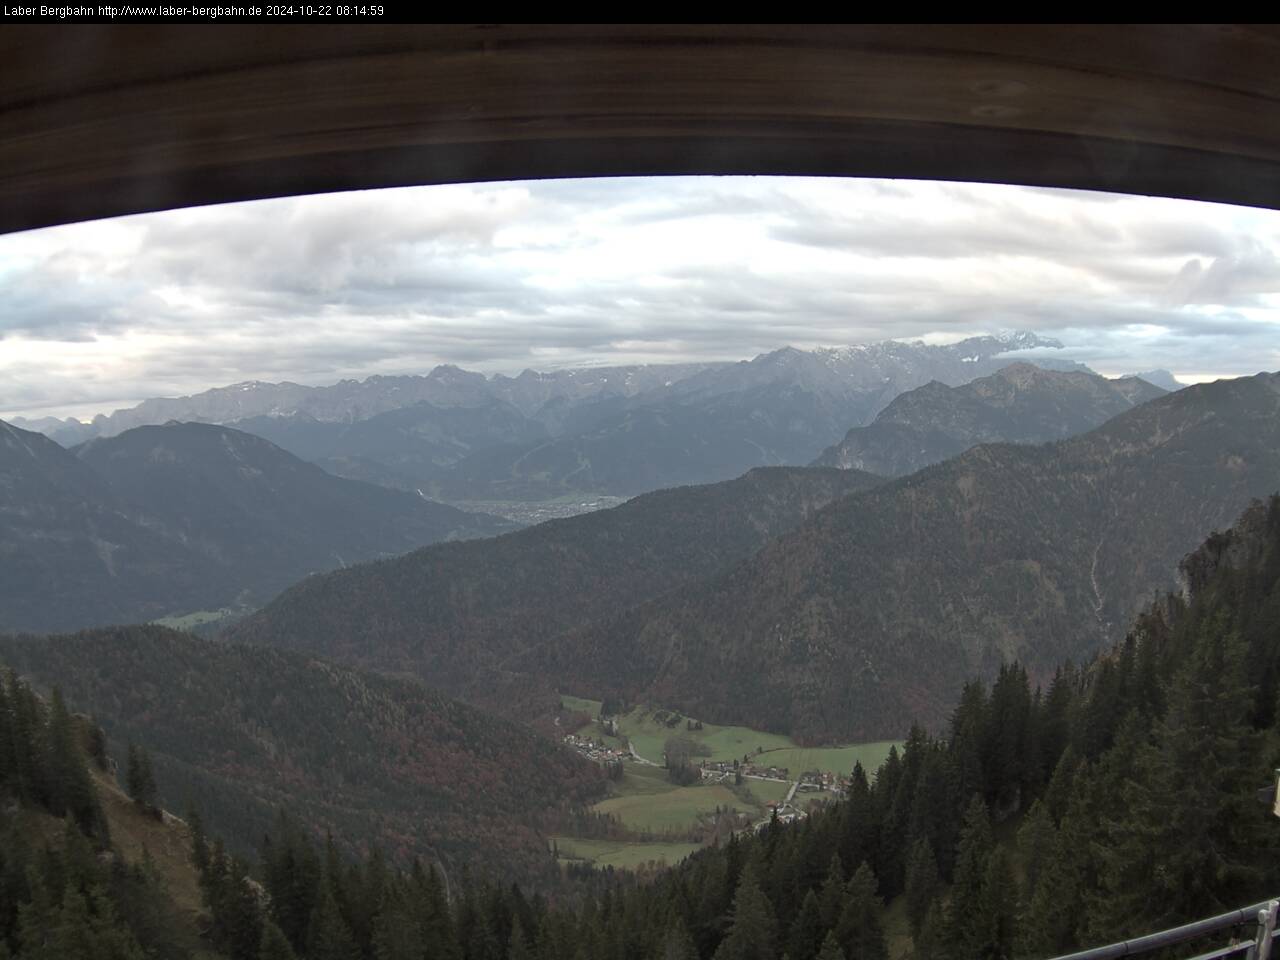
[644, 799]
[647, 728]
[641, 780]
[621, 854]
[768, 791]
[191, 620]
[677, 808]
[836, 759]
[648, 731]
[580, 704]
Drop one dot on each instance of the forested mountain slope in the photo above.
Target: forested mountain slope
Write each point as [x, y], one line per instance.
[183, 517]
[453, 613]
[76, 886]
[72, 552]
[243, 732]
[248, 504]
[868, 615]
[1018, 404]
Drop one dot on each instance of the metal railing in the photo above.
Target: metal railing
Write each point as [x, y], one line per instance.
[1259, 948]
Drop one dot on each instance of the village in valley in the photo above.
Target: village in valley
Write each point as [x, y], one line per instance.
[678, 783]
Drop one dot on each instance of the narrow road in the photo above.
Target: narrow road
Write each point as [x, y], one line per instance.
[635, 756]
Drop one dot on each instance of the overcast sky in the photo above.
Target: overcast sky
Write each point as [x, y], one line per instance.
[499, 277]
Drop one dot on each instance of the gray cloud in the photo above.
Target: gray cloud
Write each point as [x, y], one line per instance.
[499, 277]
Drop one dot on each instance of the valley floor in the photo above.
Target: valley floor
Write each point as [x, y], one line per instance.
[745, 776]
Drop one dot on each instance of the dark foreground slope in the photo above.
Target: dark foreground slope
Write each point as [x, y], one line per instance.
[243, 732]
[455, 613]
[1019, 404]
[870, 613]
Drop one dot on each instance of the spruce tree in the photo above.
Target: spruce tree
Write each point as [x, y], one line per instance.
[8, 769]
[435, 917]
[966, 891]
[1008, 759]
[860, 929]
[329, 937]
[1035, 841]
[831, 949]
[38, 916]
[1188, 837]
[73, 936]
[275, 945]
[753, 929]
[933, 810]
[1055, 905]
[968, 746]
[858, 840]
[934, 940]
[241, 922]
[676, 942]
[397, 935]
[26, 723]
[807, 930]
[69, 787]
[292, 873]
[831, 899]
[999, 905]
[923, 885]
[139, 780]
[200, 856]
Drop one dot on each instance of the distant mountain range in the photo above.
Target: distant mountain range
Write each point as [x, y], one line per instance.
[1160, 378]
[1019, 404]
[619, 431]
[867, 614]
[172, 519]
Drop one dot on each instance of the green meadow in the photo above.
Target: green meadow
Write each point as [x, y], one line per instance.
[838, 760]
[768, 791]
[646, 801]
[676, 809]
[622, 854]
[649, 728]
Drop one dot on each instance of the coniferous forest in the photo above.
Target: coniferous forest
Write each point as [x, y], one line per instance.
[1118, 797]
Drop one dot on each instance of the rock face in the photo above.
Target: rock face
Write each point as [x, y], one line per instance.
[618, 431]
[1019, 404]
[1236, 548]
[1160, 378]
[173, 519]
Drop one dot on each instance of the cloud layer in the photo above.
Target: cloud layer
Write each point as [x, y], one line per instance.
[499, 277]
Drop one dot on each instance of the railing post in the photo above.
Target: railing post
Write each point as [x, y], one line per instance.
[1261, 949]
